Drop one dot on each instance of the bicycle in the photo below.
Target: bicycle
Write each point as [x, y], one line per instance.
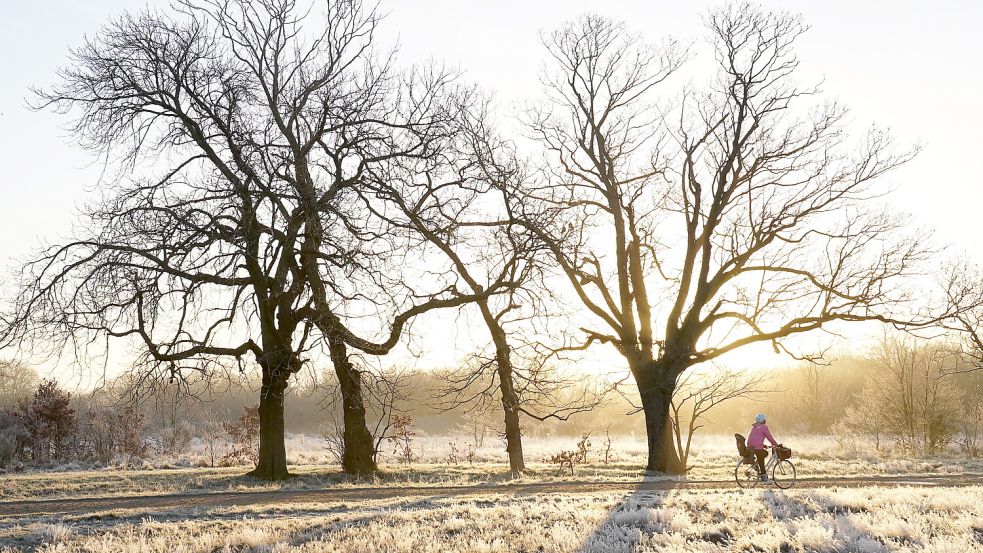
[782, 470]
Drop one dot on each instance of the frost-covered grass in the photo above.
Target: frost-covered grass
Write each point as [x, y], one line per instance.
[713, 459]
[872, 519]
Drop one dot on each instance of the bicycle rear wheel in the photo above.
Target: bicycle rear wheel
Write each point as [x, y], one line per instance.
[783, 475]
[746, 475]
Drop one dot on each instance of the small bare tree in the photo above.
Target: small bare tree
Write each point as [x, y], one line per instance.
[607, 444]
[384, 392]
[17, 382]
[813, 392]
[698, 392]
[914, 395]
[211, 431]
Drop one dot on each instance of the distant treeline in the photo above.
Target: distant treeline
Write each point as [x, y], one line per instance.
[900, 395]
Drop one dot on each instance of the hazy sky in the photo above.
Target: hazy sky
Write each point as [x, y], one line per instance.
[916, 66]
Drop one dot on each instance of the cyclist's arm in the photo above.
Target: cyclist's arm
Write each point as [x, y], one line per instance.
[771, 439]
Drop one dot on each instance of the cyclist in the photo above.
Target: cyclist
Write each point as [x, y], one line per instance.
[756, 443]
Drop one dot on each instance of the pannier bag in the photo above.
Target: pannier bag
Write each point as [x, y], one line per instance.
[784, 453]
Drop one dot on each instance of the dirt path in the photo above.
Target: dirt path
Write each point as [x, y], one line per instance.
[226, 499]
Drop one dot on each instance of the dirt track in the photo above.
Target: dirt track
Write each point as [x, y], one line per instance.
[225, 499]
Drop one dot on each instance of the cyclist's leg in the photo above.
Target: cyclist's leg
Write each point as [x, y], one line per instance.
[760, 455]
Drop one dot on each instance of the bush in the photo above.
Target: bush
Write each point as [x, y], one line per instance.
[971, 430]
[244, 434]
[570, 458]
[50, 422]
[13, 434]
[174, 438]
[402, 438]
[8, 449]
[109, 435]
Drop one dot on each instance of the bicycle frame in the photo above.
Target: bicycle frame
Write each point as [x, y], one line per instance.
[772, 461]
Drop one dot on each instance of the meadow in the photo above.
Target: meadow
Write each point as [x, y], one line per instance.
[871, 518]
[438, 462]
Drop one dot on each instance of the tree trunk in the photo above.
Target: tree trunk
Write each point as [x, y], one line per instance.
[510, 400]
[513, 433]
[272, 462]
[656, 393]
[357, 457]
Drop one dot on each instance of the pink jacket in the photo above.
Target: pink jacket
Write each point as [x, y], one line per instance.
[759, 433]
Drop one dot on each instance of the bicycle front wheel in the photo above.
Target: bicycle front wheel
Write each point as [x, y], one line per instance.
[746, 476]
[783, 475]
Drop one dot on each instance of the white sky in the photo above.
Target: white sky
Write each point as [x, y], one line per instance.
[912, 65]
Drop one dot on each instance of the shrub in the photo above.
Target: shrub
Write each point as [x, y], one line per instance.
[109, 434]
[49, 422]
[174, 438]
[574, 457]
[971, 430]
[456, 455]
[244, 435]
[13, 435]
[402, 438]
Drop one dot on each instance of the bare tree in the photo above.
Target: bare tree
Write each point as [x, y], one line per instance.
[233, 233]
[384, 392]
[696, 394]
[914, 395]
[736, 216]
[17, 382]
[963, 285]
[457, 203]
[813, 392]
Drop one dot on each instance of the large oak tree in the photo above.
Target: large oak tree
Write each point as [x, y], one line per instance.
[693, 225]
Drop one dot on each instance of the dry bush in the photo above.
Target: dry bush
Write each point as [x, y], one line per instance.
[174, 437]
[334, 441]
[402, 438]
[573, 457]
[109, 434]
[457, 454]
[244, 436]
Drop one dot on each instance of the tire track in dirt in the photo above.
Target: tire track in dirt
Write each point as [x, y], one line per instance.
[285, 497]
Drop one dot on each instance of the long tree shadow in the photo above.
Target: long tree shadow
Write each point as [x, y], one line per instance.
[316, 532]
[628, 523]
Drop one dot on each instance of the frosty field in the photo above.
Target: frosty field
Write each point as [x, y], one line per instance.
[868, 519]
[713, 459]
[478, 507]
